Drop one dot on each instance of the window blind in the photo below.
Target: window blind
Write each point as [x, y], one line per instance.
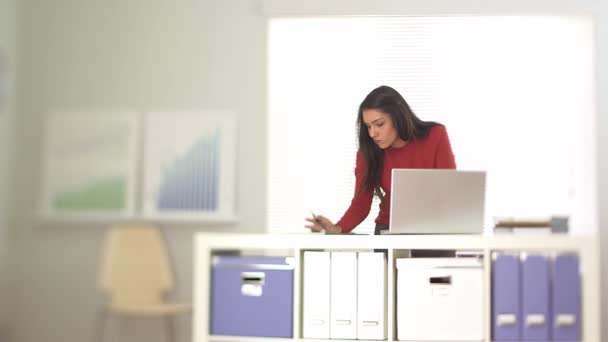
[516, 94]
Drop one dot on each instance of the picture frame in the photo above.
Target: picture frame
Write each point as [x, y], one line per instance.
[89, 165]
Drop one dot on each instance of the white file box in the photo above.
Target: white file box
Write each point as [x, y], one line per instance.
[440, 299]
[343, 307]
[316, 289]
[371, 301]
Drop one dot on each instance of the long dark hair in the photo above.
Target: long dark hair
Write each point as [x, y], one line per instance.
[408, 126]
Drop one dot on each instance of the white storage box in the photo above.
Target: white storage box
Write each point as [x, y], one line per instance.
[440, 299]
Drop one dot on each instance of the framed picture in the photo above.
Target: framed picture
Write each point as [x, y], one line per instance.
[90, 165]
[189, 166]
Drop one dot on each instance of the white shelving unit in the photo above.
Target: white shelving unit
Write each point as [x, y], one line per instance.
[208, 244]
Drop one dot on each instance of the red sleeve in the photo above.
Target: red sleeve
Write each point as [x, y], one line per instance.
[361, 202]
[444, 157]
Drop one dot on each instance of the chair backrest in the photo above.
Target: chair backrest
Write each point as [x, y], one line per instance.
[135, 266]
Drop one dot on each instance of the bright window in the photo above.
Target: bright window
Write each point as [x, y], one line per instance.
[516, 95]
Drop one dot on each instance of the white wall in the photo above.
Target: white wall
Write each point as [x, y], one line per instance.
[141, 55]
[8, 57]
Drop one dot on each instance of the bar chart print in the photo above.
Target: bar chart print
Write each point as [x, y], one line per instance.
[90, 164]
[191, 182]
[188, 168]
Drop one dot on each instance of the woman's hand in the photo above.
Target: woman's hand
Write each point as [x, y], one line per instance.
[320, 223]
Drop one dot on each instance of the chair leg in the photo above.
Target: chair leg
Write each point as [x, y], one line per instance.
[171, 337]
[100, 325]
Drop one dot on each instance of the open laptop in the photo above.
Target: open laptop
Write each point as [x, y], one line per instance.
[433, 201]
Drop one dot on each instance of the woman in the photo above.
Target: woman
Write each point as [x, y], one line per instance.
[390, 136]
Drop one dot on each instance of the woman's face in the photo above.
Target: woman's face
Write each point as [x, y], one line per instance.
[381, 129]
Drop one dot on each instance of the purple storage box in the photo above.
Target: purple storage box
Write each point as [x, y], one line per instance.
[252, 296]
[536, 292]
[506, 294]
[566, 298]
